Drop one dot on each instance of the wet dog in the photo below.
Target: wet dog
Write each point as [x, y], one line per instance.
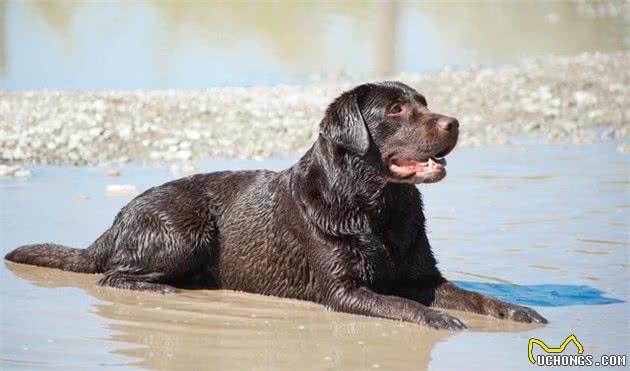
[343, 227]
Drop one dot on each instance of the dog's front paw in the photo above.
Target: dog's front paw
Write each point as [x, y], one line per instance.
[518, 313]
[443, 321]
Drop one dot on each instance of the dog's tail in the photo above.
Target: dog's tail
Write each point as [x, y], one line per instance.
[55, 256]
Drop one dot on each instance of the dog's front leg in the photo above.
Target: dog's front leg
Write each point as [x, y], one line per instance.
[366, 302]
[449, 296]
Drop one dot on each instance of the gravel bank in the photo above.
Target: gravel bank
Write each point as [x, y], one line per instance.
[575, 99]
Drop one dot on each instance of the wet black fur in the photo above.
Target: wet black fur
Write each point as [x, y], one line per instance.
[336, 228]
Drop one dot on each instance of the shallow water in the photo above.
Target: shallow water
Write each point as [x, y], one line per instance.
[546, 226]
[165, 44]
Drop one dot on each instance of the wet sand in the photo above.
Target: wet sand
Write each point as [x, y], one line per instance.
[495, 222]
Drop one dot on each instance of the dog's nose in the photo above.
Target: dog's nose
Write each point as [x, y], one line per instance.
[448, 123]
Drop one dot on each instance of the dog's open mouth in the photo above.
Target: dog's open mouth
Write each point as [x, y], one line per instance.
[405, 168]
[427, 167]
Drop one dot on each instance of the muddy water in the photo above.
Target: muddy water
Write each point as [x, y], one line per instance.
[539, 225]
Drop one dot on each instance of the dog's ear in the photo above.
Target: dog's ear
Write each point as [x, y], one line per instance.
[343, 124]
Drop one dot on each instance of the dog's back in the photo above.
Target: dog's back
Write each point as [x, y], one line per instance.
[164, 235]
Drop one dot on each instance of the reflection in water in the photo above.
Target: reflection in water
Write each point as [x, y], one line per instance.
[544, 267]
[172, 44]
[542, 295]
[227, 330]
[605, 242]
[486, 277]
[527, 177]
[498, 31]
[56, 14]
[3, 37]
[591, 252]
[281, 28]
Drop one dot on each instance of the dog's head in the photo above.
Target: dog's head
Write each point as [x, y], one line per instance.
[391, 121]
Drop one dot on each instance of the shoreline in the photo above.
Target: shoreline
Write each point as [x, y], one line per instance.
[574, 99]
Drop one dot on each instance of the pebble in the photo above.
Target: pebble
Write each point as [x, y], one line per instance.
[113, 173]
[532, 127]
[14, 170]
[182, 169]
[184, 155]
[121, 189]
[8, 170]
[624, 148]
[22, 173]
[566, 99]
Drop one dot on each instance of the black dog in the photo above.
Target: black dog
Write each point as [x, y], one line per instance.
[343, 227]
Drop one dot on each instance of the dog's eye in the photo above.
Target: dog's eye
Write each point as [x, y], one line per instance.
[395, 109]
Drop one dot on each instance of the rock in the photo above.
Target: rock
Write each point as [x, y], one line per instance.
[14, 170]
[121, 189]
[532, 127]
[624, 148]
[188, 169]
[184, 155]
[22, 173]
[114, 173]
[608, 133]
[182, 169]
[193, 135]
[155, 155]
[584, 98]
[8, 170]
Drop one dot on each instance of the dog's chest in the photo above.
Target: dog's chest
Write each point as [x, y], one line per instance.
[373, 263]
[384, 255]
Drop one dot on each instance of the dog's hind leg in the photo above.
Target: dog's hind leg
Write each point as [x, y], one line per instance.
[129, 279]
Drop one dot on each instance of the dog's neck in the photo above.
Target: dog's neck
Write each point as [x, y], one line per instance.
[334, 184]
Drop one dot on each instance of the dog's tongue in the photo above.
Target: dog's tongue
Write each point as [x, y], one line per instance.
[405, 168]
